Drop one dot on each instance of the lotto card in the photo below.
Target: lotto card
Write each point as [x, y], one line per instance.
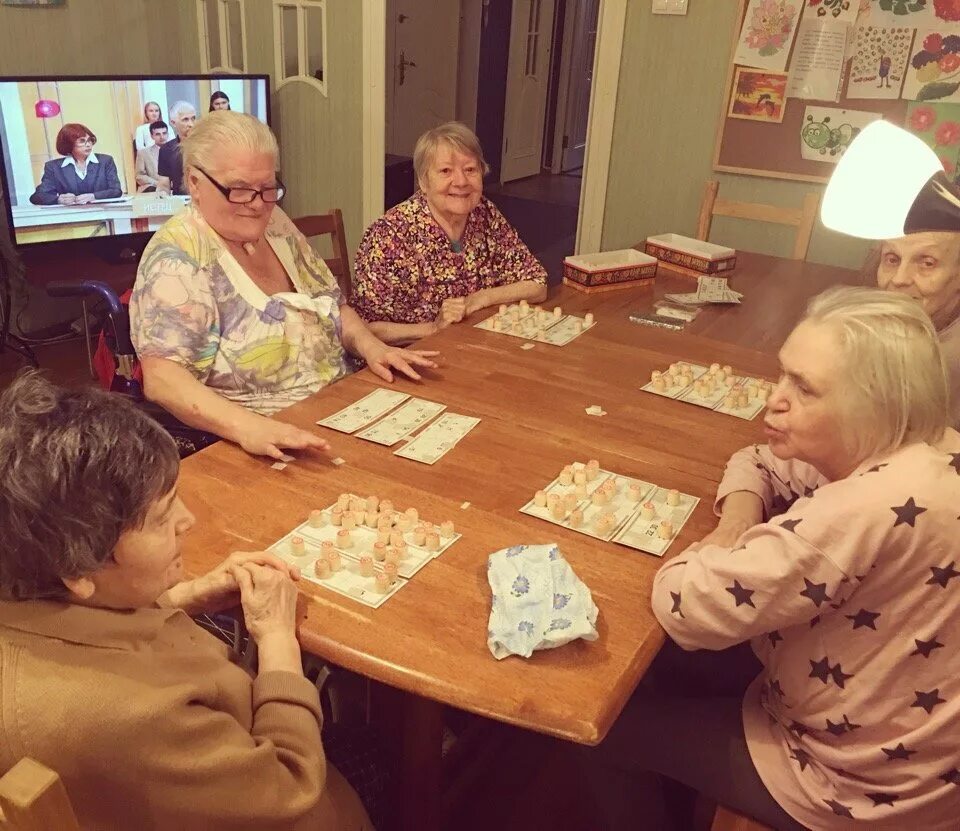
[363, 412]
[402, 422]
[436, 439]
[644, 534]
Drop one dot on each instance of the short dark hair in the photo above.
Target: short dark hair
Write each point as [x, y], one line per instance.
[217, 96]
[68, 135]
[78, 468]
[159, 124]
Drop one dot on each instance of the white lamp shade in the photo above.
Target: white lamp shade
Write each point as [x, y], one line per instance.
[877, 181]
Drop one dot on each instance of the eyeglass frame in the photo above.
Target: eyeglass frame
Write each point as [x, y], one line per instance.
[279, 186]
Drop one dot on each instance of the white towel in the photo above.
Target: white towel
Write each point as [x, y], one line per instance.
[538, 602]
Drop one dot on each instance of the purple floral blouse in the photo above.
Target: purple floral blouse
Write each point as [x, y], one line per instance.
[406, 267]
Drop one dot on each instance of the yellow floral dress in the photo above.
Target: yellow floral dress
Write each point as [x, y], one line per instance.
[193, 304]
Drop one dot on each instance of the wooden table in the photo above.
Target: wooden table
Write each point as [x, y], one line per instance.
[430, 639]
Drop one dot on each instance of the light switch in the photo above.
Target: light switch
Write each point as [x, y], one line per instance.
[669, 6]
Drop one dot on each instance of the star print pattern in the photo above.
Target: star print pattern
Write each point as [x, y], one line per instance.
[852, 606]
[942, 576]
[928, 700]
[676, 603]
[907, 513]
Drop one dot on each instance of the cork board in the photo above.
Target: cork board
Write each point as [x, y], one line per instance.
[767, 148]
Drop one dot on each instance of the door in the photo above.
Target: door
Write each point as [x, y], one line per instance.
[528, 71]
[577, 109]
[421, 62]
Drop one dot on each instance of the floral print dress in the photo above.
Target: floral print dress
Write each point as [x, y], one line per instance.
[194, 304]
[406, 267]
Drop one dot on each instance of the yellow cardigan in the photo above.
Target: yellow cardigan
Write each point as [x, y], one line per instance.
[152, 727]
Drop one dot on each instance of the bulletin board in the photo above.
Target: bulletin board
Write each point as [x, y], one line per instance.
[763, 148]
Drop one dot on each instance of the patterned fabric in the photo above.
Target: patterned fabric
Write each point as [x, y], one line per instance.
[537, 601]
[406, 266]
[193, 304]
[852, 600]
[950, 347]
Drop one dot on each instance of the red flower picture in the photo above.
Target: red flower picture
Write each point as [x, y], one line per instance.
[948, 133]
[922, 119]
[947, 9]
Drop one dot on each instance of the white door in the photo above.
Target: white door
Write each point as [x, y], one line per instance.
[421, 57]
[528, 71]
[574, 141]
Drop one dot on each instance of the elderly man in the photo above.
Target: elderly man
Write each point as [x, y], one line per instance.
[148, 176]
[926, 266]
[183, 117]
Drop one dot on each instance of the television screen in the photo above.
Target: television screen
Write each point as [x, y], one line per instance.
[84, 157]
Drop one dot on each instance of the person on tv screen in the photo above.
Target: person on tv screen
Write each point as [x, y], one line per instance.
[151, 114]
[219, 101]
[80, 176]
[148, 177]
[183, 118]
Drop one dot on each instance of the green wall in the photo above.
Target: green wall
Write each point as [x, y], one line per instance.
[96, 37]
[671, 92]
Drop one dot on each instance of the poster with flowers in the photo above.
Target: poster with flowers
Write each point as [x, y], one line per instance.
[939, 127]
[879, 62]
[767, 33]
[843, 10]
[934, 70]
[911, 12]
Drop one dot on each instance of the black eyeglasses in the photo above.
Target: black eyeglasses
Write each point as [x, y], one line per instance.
[244, 196]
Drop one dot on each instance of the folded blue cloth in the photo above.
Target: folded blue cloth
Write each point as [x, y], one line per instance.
[538, 602]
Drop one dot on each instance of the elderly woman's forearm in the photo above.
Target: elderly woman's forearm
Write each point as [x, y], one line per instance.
[741, 508]
[356, 334]
[177, 391]
[529, 290]
[401, 333]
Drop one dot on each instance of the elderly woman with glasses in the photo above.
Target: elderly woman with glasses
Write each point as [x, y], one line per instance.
[150, 721]
[233, 315]
[447, 251]
[822, 615]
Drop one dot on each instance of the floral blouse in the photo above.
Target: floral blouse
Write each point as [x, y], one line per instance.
[406, 266]
[195, 305]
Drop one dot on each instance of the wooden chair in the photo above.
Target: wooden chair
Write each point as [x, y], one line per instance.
[801, 218]
[727, 820]
[32, 798]
[331, 224]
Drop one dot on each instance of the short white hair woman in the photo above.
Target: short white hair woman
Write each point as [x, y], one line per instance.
[234, 316]
[447, 251]
[836, 561]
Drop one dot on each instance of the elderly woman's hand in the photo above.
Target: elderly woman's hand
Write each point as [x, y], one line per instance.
[67, 199]
[85, 198]
[269, 600]
[452, 310]
[217, 589]
[383, 360]
[261, 436]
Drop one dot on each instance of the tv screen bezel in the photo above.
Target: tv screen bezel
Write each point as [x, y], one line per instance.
[109, 245]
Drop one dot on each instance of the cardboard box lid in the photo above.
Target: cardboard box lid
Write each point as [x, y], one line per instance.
[694, 247]
[610, 260]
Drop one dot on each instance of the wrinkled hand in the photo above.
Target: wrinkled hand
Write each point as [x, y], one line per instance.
[266, 437]
[724, 535]
[67, 199]
[452, 310]
[217, 589]
[84, 198]
[269, 600]
[383, 360]
[163, 185]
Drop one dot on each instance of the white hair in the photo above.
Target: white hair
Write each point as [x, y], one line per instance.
[181, 107]
[892, 368]
[226, 128]
[453, 133]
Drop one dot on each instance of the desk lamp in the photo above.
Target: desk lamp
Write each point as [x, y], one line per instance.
[887, 185]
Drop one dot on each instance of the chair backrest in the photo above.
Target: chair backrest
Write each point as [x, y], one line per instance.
[802, 218]
[32, 798]
[332, 224]
[726, 820]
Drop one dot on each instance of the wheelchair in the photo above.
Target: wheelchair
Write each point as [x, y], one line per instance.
[116, 364]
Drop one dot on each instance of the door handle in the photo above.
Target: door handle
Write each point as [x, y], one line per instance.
[402, 67]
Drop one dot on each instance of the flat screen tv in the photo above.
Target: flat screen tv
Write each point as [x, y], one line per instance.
[114, 214]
